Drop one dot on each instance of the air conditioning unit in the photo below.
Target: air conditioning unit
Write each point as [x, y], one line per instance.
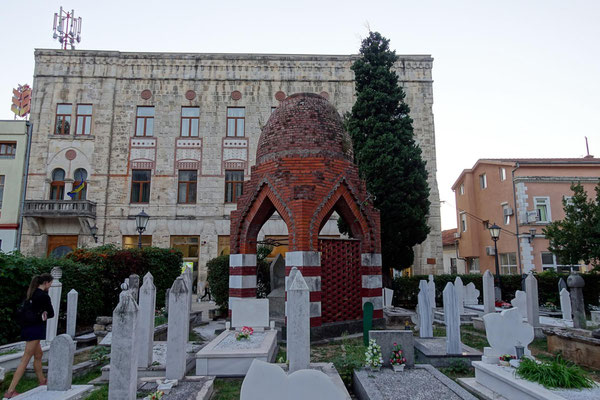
[456, 235]
[490, 251]
[533, 216]
[508, 211]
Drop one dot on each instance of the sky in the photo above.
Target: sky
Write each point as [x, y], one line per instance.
[512, 78]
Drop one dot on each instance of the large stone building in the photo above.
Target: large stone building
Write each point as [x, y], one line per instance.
[176, 135]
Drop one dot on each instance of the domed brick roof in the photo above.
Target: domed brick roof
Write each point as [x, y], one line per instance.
[304, 125]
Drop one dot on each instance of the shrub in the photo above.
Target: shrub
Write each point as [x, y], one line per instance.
[557, 373]
[218, 280]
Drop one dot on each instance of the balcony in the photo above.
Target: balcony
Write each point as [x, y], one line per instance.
[60, 208]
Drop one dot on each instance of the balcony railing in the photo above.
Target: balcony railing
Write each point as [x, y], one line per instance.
[60, 208]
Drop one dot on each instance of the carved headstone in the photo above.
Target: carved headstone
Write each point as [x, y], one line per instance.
[452, 320]
[54, 293]
[60, 363]
[134, 285]
[562, 285]
[460, 294]
[145, 328]
[565, 304]
[72, 312]
[520, 302]
[425, 311]
[576, 283]
[504, 331]
[177, 334]
[533, 303]
[431, 287]
[471, 294]
[489, 304]
[298, 324]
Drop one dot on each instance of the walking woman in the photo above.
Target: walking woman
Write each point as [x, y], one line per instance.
[36, 311]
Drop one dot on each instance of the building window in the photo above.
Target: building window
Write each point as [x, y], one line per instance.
[140, 186]
[235, 121]
[57, 186]
[453, 269]
[548, 261]
[83, 119]
[144, 121]
[190, 117]
[506, 213]
[483, 181]
[188, 184]
[132, 241]
[508, 263]
[462, 189]
[542, 206]
[568, 200]
[189, 247]
[502, 173]
[1, 189]
[474, 265]
[463, 222]
[8, 149]
[79, 191]
[63, 119]
[223, 245]
[234, 185]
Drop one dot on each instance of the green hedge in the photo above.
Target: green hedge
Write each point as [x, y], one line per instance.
[406, 289]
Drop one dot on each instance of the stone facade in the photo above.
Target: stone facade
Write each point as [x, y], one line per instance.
[114, 82]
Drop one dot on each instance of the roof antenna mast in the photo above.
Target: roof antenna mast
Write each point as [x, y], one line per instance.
[587, 147]
[67, 28]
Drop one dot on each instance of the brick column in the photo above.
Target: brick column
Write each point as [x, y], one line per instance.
[370, 271]
[309, 263]
[242, 277]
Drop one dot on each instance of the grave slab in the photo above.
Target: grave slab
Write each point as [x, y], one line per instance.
[433, 351]
[42, 393]
[386, 340]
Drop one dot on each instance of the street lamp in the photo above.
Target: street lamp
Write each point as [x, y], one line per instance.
[141, 220]
[495, 234]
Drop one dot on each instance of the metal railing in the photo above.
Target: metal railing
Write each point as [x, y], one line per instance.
[59, 208]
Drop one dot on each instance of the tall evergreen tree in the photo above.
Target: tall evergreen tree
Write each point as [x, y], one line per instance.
[388, 158]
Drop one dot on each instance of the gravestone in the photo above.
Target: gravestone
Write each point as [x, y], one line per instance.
[565, 304]
[576, 283]
[388, 296]
[134, 285]
[520, 302]
[431, 287]
[167, 300]
[277, 295]
[177, 334]
[60, 363]
[298, 324]
[277, 272]
[452, 319]
[533, 305]
[123, 350]
[471, 294]
[459, 288]
[72, 312]
[386, 339]
[147, 305]
[367, 321]
[250, 312]
[504, 331]
[489, 304]
[425, 311]
[54, 292]
[562, 285]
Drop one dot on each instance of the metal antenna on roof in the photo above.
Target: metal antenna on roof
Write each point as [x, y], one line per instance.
[587, 146]
[67, 28]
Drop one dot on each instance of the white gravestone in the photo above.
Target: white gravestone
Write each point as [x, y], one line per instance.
[266, 381]
[54, 292]
[431, 287]
[520, 302]
[471, 294]
[60, 363]
[388, 296]
[147, 304]
[504, 331]
[565, 304]
[533, 305]
[489, 302]
[298, 324]
[425, 311]
[72, 312]
[459, 288]
[177, 333]
[250, 312]
[452, 320]
[134, 286]
[122, 380]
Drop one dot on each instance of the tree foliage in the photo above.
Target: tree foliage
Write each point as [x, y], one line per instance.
[577, 237]
[388, 158]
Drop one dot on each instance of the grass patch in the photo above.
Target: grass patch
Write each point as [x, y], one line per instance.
[11, 351]
[439, 331]
[160, 320]
[346, 355]
[227, 389]
[539, 344]
[281, 355]
[557, 373]
[91, 375]
[195, 337]
[99, 394]
[24, 385]
[473, 340]
[458, 369]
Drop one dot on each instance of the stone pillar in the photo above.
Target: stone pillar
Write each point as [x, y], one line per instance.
[122, 383]
[189, 280]
[298, 323]
[60, 363]
[576, 283]
[309, 263]
[177, 332]
[565, 304]
[72, 312]
[54, 293]
[242, 277]
[145, 336]
[452, 319]
[460, 294]
[489, 302]
[425, 311]
[371, 282]
[431, 287]
[134, 285]
[533, 303]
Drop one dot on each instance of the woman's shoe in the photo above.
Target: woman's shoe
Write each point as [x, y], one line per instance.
[10, 395]
[44, 382]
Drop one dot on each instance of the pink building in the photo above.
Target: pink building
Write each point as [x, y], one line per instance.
[521, 196]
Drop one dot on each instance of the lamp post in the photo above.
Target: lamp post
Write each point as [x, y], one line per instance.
[141, 220]
[495, 234]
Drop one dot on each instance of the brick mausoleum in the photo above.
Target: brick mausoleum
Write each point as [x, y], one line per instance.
[304, 172]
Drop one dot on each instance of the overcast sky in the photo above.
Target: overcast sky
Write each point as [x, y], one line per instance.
[512, 78]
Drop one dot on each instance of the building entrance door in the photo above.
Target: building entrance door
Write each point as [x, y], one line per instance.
[60, 245]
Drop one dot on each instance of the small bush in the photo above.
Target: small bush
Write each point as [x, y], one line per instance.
[557, 373]
[218, 280]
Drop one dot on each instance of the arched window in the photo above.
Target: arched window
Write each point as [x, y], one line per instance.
[79, 191]
[57, 186]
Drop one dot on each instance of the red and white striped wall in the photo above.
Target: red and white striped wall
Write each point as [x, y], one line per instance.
[370, 269]
[242, 276]
[309, 263]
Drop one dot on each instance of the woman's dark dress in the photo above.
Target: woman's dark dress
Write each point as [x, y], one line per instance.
[40, 302]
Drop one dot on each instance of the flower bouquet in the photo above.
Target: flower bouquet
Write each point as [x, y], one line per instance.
[155, 396]
[244, 333]
[373, 357]
[397, 358]
[505, 359]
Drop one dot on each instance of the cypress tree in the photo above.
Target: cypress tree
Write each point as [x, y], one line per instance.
[385, 151]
